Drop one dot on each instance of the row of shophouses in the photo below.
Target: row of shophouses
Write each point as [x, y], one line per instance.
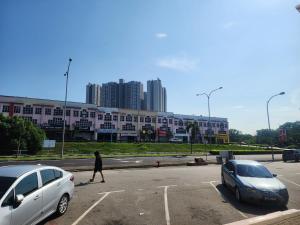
[89, 122]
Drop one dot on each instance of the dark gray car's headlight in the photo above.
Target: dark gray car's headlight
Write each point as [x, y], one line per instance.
[251, 190]
[283, 192]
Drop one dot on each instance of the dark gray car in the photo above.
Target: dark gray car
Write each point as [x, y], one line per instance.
[251, 181]
[292, 154]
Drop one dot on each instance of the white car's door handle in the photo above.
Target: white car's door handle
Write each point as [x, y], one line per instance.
[58, 184]
[36, 197]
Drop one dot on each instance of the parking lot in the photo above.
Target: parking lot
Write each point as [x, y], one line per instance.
[170, 195]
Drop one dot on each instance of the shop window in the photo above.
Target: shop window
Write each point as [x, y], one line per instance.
[58, 112]
[107, 117]
[68, 112]
[5, 108]
[128, 118]
[17, 109]
[48, 111]
[27, 109]
[75, 113]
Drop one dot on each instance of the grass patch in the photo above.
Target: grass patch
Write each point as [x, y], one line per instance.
[77, 150]
[140, 148]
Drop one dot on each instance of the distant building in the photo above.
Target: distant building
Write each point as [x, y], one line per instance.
[93, 92]
[134, 95]
[144, 101]
[89, 122]
[164, 99]
[122, 95]
[110, 95]
[156, 96]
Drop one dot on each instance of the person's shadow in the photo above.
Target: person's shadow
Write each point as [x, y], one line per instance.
[81, 184]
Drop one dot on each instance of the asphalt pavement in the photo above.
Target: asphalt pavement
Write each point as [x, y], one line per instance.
[131, 162]
[167, 196]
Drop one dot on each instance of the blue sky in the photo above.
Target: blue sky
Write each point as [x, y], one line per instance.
[250, 47]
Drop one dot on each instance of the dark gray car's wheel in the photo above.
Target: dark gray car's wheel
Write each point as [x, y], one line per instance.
[62, 205]
[223, 181]
[238, 194]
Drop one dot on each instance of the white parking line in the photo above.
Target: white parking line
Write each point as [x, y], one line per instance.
[94, 205]
[110, 192]
[166, 202]
[211, 183]
[225, 199]
[289, 181]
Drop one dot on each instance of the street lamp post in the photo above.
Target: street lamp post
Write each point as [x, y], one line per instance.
[281, 93]
[65, 108]
[208, 106]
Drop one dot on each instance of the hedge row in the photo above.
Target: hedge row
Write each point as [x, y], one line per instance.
[248, 152]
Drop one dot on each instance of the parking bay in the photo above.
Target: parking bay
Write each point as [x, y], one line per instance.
[172, 195]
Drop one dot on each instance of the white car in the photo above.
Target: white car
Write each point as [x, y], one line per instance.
[175, 140]
[31, 193]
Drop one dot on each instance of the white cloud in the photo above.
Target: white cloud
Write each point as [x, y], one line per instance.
[161, 35]
[228, 25]
[238, 107]
[183, 64]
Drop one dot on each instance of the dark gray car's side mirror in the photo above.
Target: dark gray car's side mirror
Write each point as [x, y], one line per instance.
[274, 175]
[232, 173]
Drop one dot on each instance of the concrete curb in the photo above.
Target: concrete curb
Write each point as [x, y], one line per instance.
[79, 169]
[264, 219]
[90, 168]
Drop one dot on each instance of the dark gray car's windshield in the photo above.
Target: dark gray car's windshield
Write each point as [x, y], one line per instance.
[253, 171]
[5, 183]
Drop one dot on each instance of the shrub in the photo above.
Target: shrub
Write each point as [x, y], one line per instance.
[248, 152]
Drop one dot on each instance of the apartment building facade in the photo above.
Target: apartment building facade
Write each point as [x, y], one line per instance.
[89, 122]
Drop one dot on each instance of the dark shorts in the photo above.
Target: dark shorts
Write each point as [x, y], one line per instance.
[98, 168]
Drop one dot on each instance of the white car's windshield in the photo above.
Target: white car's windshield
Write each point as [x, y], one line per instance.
[5, 183]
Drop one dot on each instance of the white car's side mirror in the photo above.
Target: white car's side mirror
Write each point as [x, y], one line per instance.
[19, 199]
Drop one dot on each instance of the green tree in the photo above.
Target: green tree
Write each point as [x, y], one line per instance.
[34, 138]
[235, 135]
[238, 136]
[266, 136]
[16, 133]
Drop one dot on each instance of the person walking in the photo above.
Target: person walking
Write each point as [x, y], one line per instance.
[98, 166]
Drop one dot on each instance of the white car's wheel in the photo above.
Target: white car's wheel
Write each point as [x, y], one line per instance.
[62, 205]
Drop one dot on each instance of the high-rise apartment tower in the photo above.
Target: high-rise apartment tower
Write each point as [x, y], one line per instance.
[93, 93]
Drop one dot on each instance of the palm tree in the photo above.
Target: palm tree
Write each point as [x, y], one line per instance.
[194, 128]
